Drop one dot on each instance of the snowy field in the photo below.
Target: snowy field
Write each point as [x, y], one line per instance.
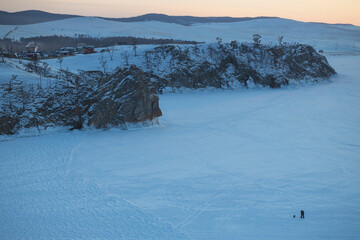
[221, 165]
[7, 71]
[328, 37]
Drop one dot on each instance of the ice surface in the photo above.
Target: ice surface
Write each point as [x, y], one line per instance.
[221, 165]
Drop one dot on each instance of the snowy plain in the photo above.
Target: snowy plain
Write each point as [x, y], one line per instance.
[220, 165]
[328, 37]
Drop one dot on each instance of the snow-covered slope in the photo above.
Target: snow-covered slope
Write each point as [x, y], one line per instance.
[221, 165]
[321, 36]
[7, 71]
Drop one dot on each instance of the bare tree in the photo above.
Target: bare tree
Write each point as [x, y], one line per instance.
[126, 57]
[257, 39]
[24, 95]
[134, 46]
[40, 84]
[60, 59]
[67, 77]
[103, 62]
[234, 44]
[19, 92]
[46, 69]
[211, 51]
[2, 55]
[111, 52]
[147, 59]
[9, 48]
[219, 41]
[9, 91]
[158, 61]
[280, 40]
[36, 64]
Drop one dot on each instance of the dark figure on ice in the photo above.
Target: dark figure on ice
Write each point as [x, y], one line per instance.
[302, 214]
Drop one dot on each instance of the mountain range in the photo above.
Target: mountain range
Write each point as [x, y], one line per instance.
[36, 16]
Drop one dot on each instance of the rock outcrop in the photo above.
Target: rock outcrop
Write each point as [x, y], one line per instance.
[225, 65]
[126, 96]
[129, 95]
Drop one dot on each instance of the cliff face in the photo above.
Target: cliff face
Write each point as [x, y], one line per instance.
[129, 95]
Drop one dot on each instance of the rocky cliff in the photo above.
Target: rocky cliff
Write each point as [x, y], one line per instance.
[230, 65]
[129, 95]
[126, 96]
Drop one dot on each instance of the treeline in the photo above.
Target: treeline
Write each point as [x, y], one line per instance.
[51, 43]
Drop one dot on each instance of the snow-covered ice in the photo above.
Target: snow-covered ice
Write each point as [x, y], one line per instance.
[221, 165]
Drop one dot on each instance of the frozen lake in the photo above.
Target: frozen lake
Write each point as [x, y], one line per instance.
[221, 165]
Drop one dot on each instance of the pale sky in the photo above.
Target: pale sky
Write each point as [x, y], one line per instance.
[330, 11]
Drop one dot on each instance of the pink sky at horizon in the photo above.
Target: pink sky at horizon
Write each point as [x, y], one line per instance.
[329, 11]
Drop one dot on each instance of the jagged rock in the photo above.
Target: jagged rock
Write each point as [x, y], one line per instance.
[127, 96]
[218, 64]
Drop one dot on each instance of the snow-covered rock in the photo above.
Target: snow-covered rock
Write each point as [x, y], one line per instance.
[127, 96]
[224, 65]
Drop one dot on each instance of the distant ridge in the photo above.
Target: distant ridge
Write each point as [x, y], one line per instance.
[183, 20]
[30, 17]
[35, 16]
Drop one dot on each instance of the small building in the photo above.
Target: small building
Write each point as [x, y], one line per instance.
[64, 53]
[89, 49]
[31, 47]
[71, 50]
[32, 55]
[80, 47]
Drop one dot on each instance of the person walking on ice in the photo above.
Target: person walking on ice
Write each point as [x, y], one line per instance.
[302, 214]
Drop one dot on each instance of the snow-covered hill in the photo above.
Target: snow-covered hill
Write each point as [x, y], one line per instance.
[329, 37]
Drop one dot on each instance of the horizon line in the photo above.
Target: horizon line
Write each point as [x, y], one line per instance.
[155, 13]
